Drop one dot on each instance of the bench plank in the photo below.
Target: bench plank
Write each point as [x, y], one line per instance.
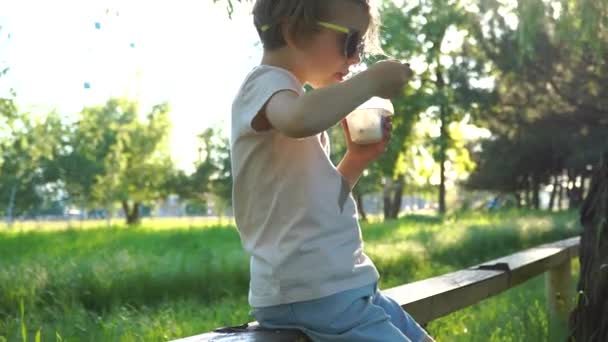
[250, 336]
[251, 333]
[432, 298]
[435, 297]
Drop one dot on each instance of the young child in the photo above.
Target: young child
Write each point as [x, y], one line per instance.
[293, 207]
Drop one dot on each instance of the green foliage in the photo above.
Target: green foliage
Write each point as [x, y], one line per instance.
[549, 119]
[443, 89]
[229, 5]
[157, 284]
[137, 164]
[112, 155]
[27, 143]
[582, 25]
[217, 166]
[212, 178]
[417, 164]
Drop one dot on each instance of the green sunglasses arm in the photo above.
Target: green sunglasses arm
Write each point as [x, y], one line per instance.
[325, 24]
[334, 27]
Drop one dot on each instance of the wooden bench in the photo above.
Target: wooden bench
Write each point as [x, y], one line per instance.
[432, 298]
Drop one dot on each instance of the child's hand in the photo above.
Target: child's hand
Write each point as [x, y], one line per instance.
[364, 154]
[389, 77]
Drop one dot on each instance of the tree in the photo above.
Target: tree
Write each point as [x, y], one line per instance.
[550, 103]
[8, 111]
[213, 174]
[26, 144]
[399, 40]
[114, 156]
[90, 142]
[588, 321]
[137, 166]
[552, 75]
[421, 32]
[212, 177]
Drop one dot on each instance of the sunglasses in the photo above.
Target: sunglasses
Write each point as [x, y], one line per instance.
[353, 42]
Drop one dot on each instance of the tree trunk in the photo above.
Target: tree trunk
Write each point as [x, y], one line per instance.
[388, 186]
[575, 193]
[11, 206]
[536, 191]
[397, 196]
[360, 208]
[444, 135]
[589, 321]
[528, 191]
[135, 218]
[586, 185]
[517, 199]
[578, 191]
[553, 193]
[131, 215]
[560, 198]
[442, 205]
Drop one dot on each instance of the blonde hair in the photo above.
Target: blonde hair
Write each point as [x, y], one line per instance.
[301, 17]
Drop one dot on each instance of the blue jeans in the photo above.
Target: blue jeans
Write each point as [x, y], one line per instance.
[361, 314]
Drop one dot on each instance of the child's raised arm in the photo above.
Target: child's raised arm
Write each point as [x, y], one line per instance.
[316, 111]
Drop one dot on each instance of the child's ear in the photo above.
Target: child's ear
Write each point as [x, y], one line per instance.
[292, 40]
[288, 35]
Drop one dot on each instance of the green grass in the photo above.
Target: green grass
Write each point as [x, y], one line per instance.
[156, 283]
[156, 222]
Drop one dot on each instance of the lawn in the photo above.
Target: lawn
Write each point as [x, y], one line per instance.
[158, 282]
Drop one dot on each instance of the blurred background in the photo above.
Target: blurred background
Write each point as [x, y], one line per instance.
[122, 109]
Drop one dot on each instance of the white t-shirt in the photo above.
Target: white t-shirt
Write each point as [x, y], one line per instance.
[293, 209]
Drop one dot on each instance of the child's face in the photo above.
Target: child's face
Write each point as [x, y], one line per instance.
[322, 58]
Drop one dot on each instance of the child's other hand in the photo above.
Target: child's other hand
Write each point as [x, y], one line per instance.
[364, 154]
[389, 77]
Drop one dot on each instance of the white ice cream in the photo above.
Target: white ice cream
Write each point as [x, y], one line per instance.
[365, 122]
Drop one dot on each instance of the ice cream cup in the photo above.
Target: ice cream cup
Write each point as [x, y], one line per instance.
[365, 123]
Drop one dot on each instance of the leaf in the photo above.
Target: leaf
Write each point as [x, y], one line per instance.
[38, 335]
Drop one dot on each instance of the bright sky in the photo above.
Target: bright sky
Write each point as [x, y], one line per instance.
[186, 52]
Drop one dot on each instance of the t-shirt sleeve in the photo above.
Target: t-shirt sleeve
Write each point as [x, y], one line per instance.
[259, 87]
